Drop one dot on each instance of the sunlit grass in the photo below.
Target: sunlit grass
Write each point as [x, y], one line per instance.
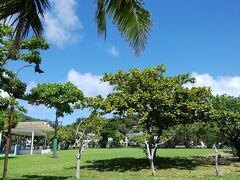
[119, 164]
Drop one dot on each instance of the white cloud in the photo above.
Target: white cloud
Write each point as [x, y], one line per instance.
[221, 85]
[4, 94]
[113, 51]
[62, 23]
[30, 85]
[90, 84]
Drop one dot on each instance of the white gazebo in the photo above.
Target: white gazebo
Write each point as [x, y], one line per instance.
[29, 129]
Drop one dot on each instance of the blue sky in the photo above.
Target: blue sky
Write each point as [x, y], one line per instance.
[199, 37]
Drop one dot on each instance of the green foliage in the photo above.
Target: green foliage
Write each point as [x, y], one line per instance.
[140, 138]
[226, 103]
[29, 52]
[115, 134]
[117, 128]
[87, 130]
[59, 96]
[4, 117]
[10, 83]
[26, 118]
[66, 136]
[159, 101]
[192, 134]
[92, 124]
[4, 113]
[226, 116]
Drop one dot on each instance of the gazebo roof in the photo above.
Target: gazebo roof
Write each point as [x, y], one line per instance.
[27, 132]
[26, 128]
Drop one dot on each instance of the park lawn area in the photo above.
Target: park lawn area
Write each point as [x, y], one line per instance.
[128, 163]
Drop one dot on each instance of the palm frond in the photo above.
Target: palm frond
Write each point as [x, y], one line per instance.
[133, 21]
[100, 18]
[26, 14]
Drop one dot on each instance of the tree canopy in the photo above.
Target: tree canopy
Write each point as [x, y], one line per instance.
[159, 101]
[29, 52]
[59, 96]
[226, 116]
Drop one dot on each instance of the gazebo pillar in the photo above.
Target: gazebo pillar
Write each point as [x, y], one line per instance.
[32, 143]
[0, 138]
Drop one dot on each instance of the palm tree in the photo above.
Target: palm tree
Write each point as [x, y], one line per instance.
[26, 14]
[132, 20]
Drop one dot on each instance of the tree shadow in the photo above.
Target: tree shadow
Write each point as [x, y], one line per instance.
[43, 177]
[137, 164]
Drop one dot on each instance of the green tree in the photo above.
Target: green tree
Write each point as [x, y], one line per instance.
[226, 116]
[66, 136]
[159, 101]
[87, 131]
[192, 134]
[132, 20]
[117, 128]
[4, 114]
[62, 97]
[29, 53]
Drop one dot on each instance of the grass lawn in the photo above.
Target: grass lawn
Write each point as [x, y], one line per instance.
[120, 164]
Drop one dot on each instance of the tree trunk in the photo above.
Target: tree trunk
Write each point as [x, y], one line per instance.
[238, 152]
[155, 154]
[238, 155]
[236, 145]
[216, 160]
[150, 155]
[79, 155]
[78, 167]
[152, 167]
[55, 143]
[8, 142]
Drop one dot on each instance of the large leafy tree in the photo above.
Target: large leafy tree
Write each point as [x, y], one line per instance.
[226, 116]
[130, 16]
[159, 101]
[29, 53]
[62, 97]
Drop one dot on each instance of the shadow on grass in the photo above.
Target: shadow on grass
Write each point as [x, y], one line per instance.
[43, 177]
[136, 164]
